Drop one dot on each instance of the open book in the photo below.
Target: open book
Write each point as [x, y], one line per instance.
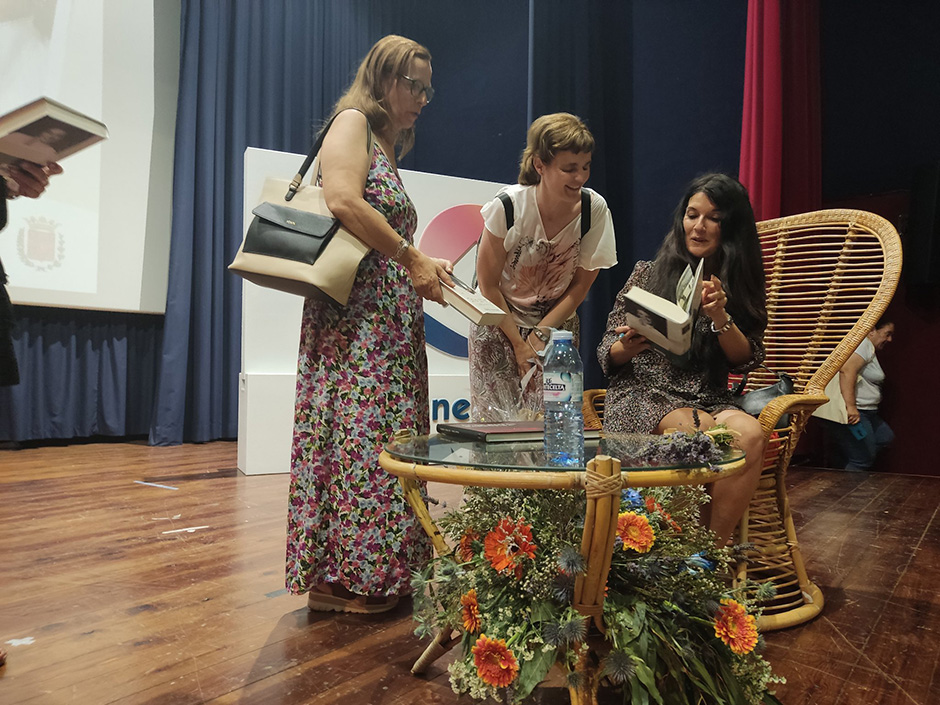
[46, 131]
[665, 324]
[501, 431]
[472, 304]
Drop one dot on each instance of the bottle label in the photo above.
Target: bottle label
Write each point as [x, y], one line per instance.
[562, 387]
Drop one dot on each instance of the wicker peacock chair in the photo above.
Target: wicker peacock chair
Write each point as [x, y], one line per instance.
[830, 276]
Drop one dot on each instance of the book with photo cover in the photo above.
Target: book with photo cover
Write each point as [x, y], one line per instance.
[472, 304]
[667, 325]
[502, 431]
[46, 131]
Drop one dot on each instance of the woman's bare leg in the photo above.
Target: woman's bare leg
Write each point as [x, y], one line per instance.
[731, 495]
[684, 420]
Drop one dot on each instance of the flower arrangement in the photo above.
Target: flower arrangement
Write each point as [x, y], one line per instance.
[675, 629]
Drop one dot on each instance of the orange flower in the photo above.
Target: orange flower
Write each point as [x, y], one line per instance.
[495, 663]
[507, 545]
[465, 547]
[635, 532]
[735, 627]
[471, 612]
[652, 506]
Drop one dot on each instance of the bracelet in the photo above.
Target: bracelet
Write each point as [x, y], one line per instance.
[403, 246]
[540, 335]
[725, 328]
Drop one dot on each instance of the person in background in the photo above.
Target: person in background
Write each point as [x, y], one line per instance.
[30, 180]
[362, 369]
[860, 381]
[540, 269]
[650, 393]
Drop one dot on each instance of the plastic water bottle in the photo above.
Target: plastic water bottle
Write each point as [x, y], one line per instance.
[562, 389]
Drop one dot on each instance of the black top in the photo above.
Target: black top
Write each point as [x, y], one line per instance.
[9, 372]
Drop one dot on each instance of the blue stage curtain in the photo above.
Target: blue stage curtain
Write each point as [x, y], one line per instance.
[84, 373]
[583, 65]
[251, 74]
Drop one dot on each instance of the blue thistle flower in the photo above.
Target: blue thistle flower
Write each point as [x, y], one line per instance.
[570, 561]
[574, 630]
[563, 588]
[575, 680]
[619, 667]
[551, 632]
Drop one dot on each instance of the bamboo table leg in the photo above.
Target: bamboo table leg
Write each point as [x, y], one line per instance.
[444, 640]
[603, 484]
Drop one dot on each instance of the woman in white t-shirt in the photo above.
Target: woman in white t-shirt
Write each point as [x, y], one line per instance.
[860, 381]
[537, 260]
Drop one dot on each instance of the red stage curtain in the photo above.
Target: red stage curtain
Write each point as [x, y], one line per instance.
[762, 124]
[780, 127]
[801, 189]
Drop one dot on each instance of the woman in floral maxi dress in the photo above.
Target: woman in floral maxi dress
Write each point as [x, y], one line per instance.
[362, 370]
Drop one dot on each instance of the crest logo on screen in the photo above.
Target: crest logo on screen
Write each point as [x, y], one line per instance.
[451, 234]
[39, 245]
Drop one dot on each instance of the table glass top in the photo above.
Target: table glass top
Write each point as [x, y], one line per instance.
[530, 455]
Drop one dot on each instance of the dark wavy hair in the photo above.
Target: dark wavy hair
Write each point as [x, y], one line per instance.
[737, 263]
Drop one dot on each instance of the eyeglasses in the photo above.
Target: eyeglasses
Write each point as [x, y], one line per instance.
[417, 88]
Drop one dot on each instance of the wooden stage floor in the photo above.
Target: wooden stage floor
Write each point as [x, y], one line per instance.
[113, 591]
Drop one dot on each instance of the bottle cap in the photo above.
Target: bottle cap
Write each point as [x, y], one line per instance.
[562, 334]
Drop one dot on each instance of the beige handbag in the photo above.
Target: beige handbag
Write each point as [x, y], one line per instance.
[294, 244]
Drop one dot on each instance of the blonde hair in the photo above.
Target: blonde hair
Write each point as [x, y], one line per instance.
[388, 57]
[549, 135]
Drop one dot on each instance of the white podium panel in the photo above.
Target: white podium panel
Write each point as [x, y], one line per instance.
[449, 225]
[265, 422]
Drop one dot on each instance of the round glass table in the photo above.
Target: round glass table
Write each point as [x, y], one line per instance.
[613, 462]
[524, 464]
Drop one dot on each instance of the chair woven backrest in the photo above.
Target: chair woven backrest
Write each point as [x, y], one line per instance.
[830, 275]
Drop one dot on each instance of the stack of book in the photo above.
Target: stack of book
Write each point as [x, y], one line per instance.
[501, 431]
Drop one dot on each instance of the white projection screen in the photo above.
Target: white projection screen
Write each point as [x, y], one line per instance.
[99, 237]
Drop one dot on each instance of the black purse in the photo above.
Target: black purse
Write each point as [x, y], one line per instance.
[754, 401]
[300, 248]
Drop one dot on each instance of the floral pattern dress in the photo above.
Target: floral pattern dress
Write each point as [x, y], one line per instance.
[362, 376]
[536, 273]
[645, 389]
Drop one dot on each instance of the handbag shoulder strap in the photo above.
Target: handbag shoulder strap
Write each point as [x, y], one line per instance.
[508, 208]
[510, 219]
[585, 210]
[295, 182]
[738, 389]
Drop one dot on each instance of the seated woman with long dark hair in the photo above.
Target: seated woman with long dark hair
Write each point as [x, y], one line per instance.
[649, 392]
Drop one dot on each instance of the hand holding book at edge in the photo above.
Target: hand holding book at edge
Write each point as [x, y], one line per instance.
[628, 345]
[28, 179]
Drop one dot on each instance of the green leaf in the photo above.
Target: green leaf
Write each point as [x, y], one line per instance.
[705, 680]
[533, 672]
[645, 675]
[638, 695]
[544, 611]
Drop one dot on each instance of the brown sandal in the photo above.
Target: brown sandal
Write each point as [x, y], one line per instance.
[336, 598]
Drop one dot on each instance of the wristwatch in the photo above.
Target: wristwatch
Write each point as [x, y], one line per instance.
[725, 328]
[540, 335]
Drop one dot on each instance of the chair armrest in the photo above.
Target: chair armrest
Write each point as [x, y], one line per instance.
[787, 404]
[592, 408]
